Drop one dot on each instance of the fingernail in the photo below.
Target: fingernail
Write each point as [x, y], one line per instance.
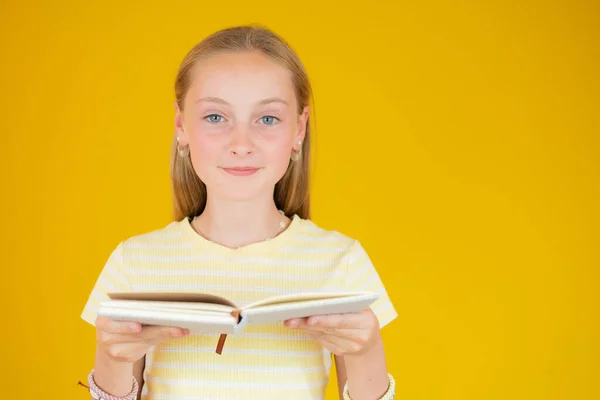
[134, 327]
[312, 321]
[175, 332]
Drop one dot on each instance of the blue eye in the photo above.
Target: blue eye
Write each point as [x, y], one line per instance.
[269, 119]
[214, 118]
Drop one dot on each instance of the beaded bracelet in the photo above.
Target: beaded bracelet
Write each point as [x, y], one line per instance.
[99, 394]
[389, 395]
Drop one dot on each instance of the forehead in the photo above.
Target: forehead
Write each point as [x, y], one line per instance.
[241, 77]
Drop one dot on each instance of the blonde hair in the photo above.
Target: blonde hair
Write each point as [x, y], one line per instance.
[292, 191]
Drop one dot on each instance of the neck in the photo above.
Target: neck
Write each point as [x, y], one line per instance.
[234, 224]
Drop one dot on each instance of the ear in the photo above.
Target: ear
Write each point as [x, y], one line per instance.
[301, 131]
[179, 130]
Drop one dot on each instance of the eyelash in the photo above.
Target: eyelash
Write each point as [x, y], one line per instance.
[264, 116]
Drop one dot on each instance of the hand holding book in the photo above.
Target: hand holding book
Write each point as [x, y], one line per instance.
[341, 334]
[207, 313]
[128, 341]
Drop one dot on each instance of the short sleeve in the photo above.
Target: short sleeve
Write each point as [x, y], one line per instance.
[361, 275]
[111, 279]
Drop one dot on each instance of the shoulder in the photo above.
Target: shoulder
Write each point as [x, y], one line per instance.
[317, 235]
[170, 233]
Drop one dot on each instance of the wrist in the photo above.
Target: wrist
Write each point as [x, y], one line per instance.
[366, 372]
[111, 375]
[390, 393]
[99, 394]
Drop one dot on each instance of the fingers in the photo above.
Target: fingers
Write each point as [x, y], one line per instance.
[355, 328]
[355, 335]
[111, 326]
[341, 345]
[338, 321]
[113, 331]
[318, 330]
[153, 335]
[129, 341]
[335, 344]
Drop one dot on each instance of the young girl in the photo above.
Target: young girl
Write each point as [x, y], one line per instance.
[242, 230]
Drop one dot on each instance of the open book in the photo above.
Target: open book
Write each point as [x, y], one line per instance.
[206, 313]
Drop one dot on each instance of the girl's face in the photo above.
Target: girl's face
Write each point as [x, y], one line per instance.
[241, 122]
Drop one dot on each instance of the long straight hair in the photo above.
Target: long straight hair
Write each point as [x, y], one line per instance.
[291, 193]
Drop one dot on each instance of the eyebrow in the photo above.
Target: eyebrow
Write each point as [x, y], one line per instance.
[261, 102]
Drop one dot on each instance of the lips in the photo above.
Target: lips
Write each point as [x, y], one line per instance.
[240, 171]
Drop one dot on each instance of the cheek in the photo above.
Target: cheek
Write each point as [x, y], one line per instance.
[204, 154]
[279, 156]
[203, 149]
[277, 149]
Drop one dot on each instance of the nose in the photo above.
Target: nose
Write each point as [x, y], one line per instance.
[241, 143]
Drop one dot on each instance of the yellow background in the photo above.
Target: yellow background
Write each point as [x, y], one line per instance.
[468, 132]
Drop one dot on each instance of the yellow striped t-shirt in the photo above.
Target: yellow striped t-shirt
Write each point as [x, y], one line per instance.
[264, 362]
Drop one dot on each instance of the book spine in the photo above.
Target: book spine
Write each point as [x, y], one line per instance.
[221, 343]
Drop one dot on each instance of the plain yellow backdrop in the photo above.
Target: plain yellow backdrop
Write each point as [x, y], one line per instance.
[459, 142]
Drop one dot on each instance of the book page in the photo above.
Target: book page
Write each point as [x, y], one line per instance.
[279, 312]
[169, 305]
[298, 297]
[196, 321]
[173, 297]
